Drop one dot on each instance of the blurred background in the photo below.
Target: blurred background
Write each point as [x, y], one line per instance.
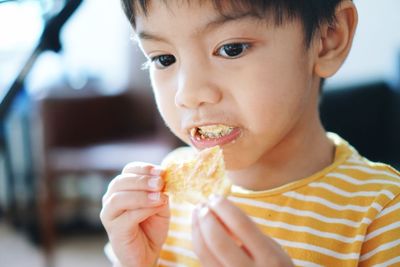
[82, 112]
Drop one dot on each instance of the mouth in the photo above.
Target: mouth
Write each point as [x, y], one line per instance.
[210, 131]
[212, 135]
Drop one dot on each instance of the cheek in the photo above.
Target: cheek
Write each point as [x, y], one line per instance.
[275, 100]
[165, 104]
[161, 94]
[165, 99]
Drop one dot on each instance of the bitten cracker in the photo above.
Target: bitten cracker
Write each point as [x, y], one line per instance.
[195, 179]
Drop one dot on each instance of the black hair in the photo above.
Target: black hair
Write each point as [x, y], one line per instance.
[312, 13]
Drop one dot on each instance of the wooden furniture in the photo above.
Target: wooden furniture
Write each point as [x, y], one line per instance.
[93, 134]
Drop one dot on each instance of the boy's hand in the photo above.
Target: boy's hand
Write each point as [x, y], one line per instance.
[224, 236]
[136, 214]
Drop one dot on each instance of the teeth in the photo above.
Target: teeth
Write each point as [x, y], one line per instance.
[193, 132]
[214, 131]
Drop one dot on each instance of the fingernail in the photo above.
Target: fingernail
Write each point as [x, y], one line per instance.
[156, 171]
[204, 210]
[213, 199]
[154, 196]
[154, 182]
[197, 208]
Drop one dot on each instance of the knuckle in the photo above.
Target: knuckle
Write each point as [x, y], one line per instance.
[101, 216]
[132, 181]
[141, 179]
[113, 200]
[136, 166]
[128, 167]
[104, 199]
[113, 182]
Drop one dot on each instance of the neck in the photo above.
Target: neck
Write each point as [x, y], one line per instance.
[300, 154]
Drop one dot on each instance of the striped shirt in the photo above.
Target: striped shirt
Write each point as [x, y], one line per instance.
[348, 214]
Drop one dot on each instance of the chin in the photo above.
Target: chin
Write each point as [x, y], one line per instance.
[235, 162]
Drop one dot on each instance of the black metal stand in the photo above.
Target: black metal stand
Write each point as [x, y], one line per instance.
[49, 41]
[10, 190]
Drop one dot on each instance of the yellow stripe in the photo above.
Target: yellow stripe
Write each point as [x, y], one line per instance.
[349, 209]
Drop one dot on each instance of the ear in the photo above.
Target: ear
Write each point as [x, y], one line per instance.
[335, 40]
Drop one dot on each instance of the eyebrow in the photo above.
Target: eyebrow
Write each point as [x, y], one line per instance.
[209, 26]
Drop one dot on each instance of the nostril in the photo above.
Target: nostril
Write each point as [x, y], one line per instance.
[195, 87]
[194, 98]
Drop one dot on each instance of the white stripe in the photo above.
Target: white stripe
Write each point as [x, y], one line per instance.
[170, 263]
[381, 248]
[368, 170]
[356, 160]
[305, 263]
[389, 210]
[181, 220]
[325, 202]
[389, 262]
[352, 180]
[182, 207]
[325, 251]
[382, 230]
[180, 235]
[306, 229]
[343, 193]
[302, 213]
[179, 250]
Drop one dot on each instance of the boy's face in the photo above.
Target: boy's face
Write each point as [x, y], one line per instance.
[252, 77]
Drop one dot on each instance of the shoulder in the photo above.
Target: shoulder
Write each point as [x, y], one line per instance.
[373, 184]
[368, 172]
[357, 170]
[368, 187]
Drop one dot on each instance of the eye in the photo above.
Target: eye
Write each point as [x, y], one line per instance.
[233, 50]
[163, 61]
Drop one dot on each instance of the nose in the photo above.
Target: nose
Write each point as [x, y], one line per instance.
[196, 87]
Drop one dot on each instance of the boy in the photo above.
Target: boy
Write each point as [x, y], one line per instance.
[301, 196]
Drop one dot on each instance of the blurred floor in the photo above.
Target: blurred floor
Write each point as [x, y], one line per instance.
[74, 250]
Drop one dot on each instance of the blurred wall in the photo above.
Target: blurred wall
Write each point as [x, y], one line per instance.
[376, 49]
[96, 45]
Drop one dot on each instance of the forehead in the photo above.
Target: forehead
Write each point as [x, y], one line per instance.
[162, 15]
[188, 18]
[229, 9]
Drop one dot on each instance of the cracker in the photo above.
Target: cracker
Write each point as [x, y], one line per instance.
[195, 179]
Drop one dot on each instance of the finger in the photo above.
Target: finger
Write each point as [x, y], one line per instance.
[240, 225]
[133, 182]
[129, 222]
[219, 241]
[120, 202]
[142, 168]
[199, 245]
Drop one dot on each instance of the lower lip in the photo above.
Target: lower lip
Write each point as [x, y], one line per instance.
[220, 141]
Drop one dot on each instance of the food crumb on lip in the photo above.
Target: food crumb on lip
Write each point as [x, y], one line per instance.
[210, 131]
[193, 131]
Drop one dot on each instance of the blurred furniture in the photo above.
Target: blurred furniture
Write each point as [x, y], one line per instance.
[368, 116]
[92, 133]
